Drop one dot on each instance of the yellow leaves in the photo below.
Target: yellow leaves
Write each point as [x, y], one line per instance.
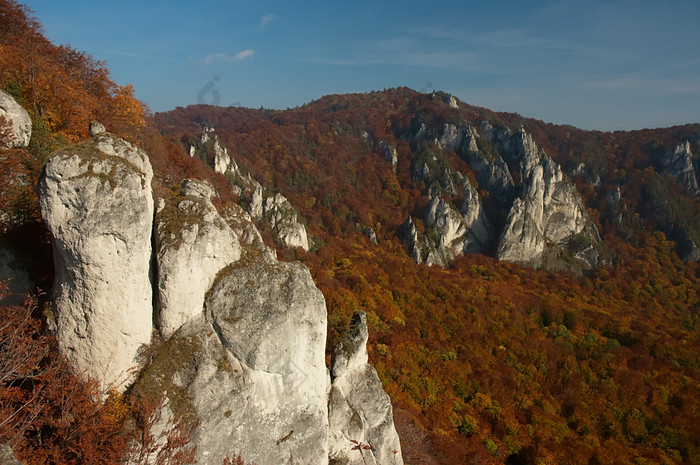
[126, 107]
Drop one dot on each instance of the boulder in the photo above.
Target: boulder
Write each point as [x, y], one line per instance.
[96, 200]
[96, 128]
[20, 124]
[193, 243]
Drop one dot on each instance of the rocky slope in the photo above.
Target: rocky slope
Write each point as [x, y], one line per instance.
[244, 335]
[264, 205]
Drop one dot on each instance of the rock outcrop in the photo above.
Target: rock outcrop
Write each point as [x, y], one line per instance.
[251, 370]
[679, 164]
[390, 154]
[452, 137]
[359, 410]
[96, 200]
[193, 243]
[492, 175]
[20, 124]
[260, 383]
[284, 221]
[550, 212]
[540, 215]
[243, 354]
[453, 233]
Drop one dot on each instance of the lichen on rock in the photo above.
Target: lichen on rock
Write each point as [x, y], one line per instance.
[96, 200]
[193, 243]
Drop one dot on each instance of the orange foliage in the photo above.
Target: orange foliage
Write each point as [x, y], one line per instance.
[64, 87]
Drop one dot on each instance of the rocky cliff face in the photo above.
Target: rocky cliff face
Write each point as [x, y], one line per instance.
[455, 232]
[678, 163]
[20, 124]
[390, 154]
[260, 384]
[541, 214]
[96, 201]
[243, 353]
[549, 213]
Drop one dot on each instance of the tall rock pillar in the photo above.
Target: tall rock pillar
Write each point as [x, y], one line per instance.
[96, 200]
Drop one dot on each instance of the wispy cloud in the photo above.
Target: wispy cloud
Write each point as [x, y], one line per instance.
[400, 51]
[636, 83]
[267, 19]
[240, 56]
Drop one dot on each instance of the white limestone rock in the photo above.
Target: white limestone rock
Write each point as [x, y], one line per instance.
[453, 102]
[390, 154]
[265, 395]
[458, 232]
[255, 208]
[452, 137]
[96, 200]
[193, 243]
[470, 140]
[96, 128]
[223, 162]
[474, 217]
[19, 120]
[679, 164]
[284, 221]
[493, 175]
[448, 225]
[358, 408]
[550, 211]
[248, 235]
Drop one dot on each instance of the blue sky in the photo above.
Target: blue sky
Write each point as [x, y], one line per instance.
[604, 65]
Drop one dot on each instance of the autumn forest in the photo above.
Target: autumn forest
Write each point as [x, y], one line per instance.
[485, 361]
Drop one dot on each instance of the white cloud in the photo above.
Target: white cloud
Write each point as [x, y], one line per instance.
[240, 56]
[267, 19]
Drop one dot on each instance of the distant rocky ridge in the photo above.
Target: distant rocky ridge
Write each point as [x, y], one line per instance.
[544, 210]
[244, 335]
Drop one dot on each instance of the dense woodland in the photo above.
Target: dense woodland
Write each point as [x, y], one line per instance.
[485, 361]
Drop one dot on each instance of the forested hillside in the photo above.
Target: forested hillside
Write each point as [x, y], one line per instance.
[493, 362]
[485, 361]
